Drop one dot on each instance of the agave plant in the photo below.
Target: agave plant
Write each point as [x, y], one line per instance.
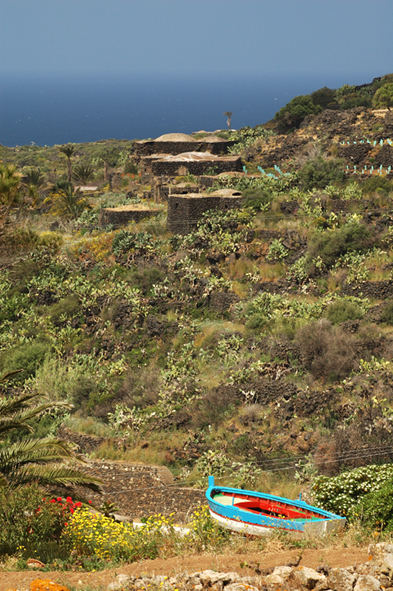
[25, 459]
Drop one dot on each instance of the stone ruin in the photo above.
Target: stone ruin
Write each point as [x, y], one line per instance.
[196, 163]
[122, 215]
[162, 190]
[177, 143]
[185, 211]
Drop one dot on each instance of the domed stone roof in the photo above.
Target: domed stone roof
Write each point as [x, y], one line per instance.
[175, 137]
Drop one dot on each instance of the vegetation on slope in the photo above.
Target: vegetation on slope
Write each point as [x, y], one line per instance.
[257, 347]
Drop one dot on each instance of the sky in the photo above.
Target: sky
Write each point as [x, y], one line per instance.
[197, 37]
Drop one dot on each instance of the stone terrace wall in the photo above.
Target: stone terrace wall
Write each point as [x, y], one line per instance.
[198, 167]
[355, 153]
[184, 211]
[120, 217]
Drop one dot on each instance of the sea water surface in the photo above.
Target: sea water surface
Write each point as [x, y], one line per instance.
[54, 109]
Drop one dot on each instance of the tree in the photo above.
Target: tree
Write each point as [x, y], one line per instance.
[109, 157]
[291, 116]
[68, 150]
[384, 96]
[25, 459]
[228, 115]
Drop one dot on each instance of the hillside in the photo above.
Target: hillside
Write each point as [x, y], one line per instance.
[255, 343]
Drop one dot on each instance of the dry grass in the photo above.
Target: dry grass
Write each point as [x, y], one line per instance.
[272, 272]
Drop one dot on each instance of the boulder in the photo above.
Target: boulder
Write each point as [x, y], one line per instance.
[279, 575]
[341, 580]
[308, 577]
[367, 583]
[387, 564]
[210, 578]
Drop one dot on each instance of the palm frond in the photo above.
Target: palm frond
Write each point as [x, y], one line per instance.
[52, 474]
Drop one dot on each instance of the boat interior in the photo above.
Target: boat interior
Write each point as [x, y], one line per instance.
[268, 507]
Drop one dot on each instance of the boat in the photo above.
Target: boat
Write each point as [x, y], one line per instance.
[258, 514]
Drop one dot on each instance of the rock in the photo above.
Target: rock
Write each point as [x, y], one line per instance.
[240, 587]
[278, 576]
[308, 577]
[119, 583]
[380, 549]
[341, 580]
[34, 563]
[208, 578]
[274, 580]
[387, 564]
[367, 583]
[282, 571]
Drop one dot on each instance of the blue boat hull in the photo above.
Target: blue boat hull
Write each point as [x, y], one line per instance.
[258, 513]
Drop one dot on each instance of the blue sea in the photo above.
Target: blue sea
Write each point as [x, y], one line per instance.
[54, 109]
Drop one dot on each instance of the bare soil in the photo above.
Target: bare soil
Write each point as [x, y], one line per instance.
[332, 557]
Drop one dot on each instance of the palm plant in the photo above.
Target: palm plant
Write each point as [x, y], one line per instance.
[25, 459]
[33, 176]
[68, 150]
[83, 172]
[66, 202]
[109, 157]
[228, 115]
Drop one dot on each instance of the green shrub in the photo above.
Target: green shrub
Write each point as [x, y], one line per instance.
[125, 242]
[327, 351]
[31, 523]
[324, 97]
[375, 509]
[291, 116]
[277, 251]
[343, 310]
[384, 96]
[387, 313]
[64, 309]
[320, 172]
[258, 199]
[329, 245]
[377, 183]
[27, 357]
[341, 494]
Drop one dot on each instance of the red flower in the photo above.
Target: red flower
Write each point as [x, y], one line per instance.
[52, 501]
[59, 499]
[89, 502]
[69, 500]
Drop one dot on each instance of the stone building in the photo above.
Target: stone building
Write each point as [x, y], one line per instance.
[177, 143]
[185, 211]
[196, 163]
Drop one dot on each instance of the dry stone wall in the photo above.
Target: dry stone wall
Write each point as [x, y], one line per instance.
[198, 166]
[185, 211]
[121, 216]
[376, 575]
[148, 148]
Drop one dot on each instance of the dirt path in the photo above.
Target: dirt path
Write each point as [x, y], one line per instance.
[333, 557]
